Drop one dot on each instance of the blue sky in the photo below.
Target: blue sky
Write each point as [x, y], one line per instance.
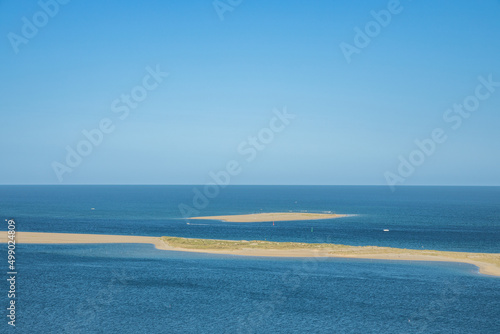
[353, 120]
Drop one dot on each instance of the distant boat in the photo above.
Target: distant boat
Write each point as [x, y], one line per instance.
[386, 230]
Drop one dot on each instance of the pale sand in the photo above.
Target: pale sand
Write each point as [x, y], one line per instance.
[272, 216]
[71, 238]
[325, 250]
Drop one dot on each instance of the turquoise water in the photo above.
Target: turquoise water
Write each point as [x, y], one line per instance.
[136, 288]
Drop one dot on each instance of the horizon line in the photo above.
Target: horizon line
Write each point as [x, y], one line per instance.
[257, 185]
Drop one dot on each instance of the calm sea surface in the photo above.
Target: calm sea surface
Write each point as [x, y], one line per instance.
[138, 289]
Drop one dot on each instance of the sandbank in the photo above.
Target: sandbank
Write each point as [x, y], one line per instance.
[488, 263]
[72, 238]
[272, 216]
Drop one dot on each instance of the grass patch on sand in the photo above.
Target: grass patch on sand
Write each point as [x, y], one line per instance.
[240, 244]
[333, 249]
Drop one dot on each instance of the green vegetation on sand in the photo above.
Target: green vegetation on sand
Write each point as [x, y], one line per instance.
[331, 249]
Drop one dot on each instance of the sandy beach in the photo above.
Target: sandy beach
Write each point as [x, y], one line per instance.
[272, 216]
[71, 238]
[488, 264]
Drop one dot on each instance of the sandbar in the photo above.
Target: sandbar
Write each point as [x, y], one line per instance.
[488, 263]
[72, 238]
[272, 216]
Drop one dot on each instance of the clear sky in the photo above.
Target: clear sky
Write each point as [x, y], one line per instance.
[353, 119]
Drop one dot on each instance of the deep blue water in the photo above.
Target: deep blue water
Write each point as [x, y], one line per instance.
[138, 289]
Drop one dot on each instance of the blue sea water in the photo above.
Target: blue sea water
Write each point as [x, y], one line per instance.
[443, 218]
[136, 288]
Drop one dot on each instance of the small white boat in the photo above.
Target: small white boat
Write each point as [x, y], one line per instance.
[386, 230]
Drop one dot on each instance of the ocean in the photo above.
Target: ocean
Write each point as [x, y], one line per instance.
[136, 288]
